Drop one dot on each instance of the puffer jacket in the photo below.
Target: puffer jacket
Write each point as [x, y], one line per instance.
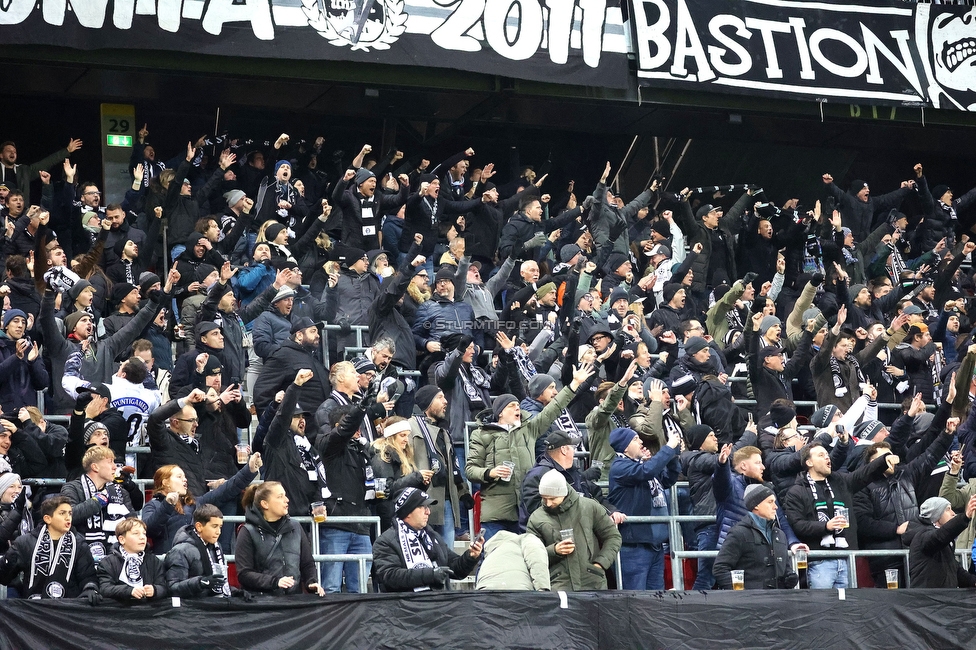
[730, 505]
[439, 317]
[514, 563]
[163, 521]
[696, 233]
[699, 466]
[351, 299]
[631, 492]
[270, 330]
[594, 533]
[765, 563]
[391, 569]
[492, 444]
[891, 501]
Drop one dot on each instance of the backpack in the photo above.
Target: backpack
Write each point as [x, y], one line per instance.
[714, 407]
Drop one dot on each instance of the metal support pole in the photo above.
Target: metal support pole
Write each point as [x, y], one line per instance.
[676, 544]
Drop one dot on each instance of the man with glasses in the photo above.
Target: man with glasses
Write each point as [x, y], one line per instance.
[178, 444]
[442, 315]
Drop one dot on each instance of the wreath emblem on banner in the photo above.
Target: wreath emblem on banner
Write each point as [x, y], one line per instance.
[361, 24]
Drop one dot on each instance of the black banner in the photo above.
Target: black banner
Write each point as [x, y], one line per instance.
[880, 52]
[857, 618]
[580, 42]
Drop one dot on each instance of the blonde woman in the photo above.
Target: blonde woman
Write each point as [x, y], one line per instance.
[393, 465]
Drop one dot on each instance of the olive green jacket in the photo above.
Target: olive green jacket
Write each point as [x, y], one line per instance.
[492, 444]
[595, 535]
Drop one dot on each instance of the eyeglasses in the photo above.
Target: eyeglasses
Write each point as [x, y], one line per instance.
[92, 193]
[192, 420]
[600, 336]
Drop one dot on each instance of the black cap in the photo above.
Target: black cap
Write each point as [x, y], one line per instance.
[205, 326]
[410, 499]
[558, 439]
[102, 390]
[302, 323]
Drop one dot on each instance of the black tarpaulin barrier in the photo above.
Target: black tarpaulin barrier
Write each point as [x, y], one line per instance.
[867, 618]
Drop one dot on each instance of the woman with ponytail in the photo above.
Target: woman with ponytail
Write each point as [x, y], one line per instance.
[273, 553]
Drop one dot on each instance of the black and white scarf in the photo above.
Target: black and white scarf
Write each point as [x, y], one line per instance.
[938, 361]
[895, 266]
[472, 378]
[131, 573]
[432, 454]
[825, 511]
[840, 389]
[416, 547]
[432, 205]
[211, 557]
[368, 430]
[98, 528]
[51, 565]
[312, 464]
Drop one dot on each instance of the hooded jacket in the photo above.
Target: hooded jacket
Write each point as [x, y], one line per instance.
[696, 232]
[514, 563]
[594, 533]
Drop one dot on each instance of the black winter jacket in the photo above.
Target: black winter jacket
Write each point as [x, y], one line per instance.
[766, 565]
[151, 571]
[264, 555]
[345, 461]
[391, 570]
[279, 370]
[932, 555]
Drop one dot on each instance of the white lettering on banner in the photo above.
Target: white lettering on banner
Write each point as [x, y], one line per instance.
[849, 51]
[514, 29]
[717, 54]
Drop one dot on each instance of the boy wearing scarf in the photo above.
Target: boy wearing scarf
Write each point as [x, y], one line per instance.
[98, 503]
[55, 561]
[410, 556]
[195, 566]
[129, 574]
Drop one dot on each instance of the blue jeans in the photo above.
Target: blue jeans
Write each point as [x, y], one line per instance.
[447, 529]
[492, 527]
[707, 541]
[335, 542]
[642, 567]
[827, 574]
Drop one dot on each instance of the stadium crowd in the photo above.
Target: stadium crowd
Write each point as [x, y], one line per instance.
[264, 311]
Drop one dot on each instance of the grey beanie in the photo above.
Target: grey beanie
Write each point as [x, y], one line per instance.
[810, 314]
[553, 484]
[9, 478]
[856, 289]
[756, 494]
[233, 196]
[932, 509]
[767, 322]
[539, 383]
